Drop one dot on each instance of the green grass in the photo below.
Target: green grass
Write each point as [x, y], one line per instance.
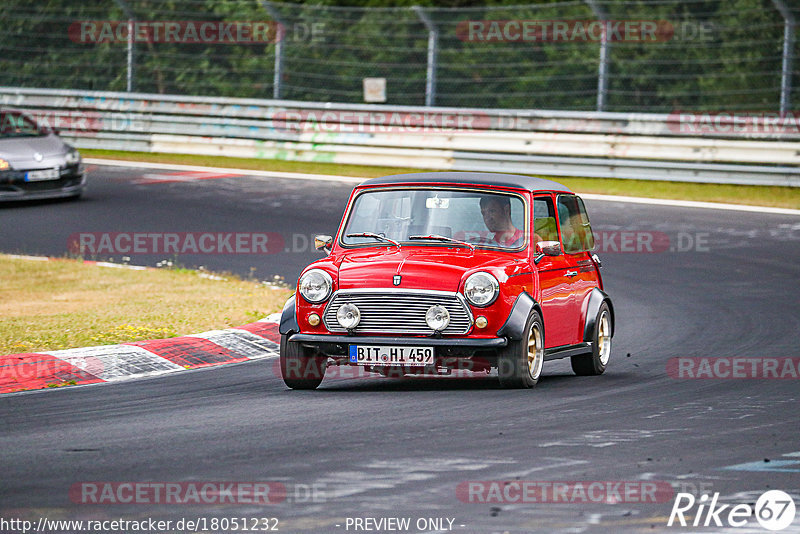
[774, 196]
[64, 303]
[250, 163]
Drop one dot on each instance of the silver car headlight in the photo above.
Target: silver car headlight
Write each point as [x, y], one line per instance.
[316, 286]
[481, 289]
[73, 156]
[437, 317]
[348, 316]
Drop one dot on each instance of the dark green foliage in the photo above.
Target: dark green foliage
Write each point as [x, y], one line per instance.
[723, 55]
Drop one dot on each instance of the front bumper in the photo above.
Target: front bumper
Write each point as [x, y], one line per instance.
[71, 182]
[334, 345]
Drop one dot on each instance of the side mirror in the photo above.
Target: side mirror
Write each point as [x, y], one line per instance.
[548, 248]
[323, 242]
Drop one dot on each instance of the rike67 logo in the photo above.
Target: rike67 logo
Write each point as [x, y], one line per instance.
[774, 510]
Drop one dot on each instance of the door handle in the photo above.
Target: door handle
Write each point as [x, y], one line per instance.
[571, 273]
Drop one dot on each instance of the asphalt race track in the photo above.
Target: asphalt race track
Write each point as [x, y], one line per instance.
[144, 201]
[716, 284]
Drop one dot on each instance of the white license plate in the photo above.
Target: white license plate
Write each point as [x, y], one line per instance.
[42, 175]
[389, 355]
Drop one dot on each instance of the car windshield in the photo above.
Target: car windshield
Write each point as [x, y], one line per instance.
[440, 216]
[15, 124]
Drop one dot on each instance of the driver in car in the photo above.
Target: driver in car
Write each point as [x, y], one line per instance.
[496, 211]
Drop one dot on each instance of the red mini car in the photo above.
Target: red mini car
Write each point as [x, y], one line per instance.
[433, 272]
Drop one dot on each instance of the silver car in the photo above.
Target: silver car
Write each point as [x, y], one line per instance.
[34, 162]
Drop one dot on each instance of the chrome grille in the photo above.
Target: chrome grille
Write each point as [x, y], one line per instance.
[398, 311]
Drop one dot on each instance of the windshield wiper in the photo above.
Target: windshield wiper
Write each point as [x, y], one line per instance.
[438, 237]
[375, 236]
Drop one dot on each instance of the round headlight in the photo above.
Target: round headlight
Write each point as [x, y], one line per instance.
[481, 289]
[316, 285]
[437, 318]
[348, 316]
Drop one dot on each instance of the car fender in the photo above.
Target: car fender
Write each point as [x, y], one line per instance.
[596, 298]
[514, 327]
[288, 324]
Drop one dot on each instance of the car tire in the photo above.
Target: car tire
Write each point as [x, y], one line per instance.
[299, 369]
[519, 364]
[595, 363]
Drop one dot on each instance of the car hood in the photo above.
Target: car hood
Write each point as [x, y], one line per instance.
[20, 151]
[429, 268]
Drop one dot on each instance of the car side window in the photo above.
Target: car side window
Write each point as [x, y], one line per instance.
[576, 232]
[544, 220]
[17, 124]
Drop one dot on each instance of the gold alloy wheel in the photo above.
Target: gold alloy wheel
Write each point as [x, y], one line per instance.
[604, 338]
[535, 351]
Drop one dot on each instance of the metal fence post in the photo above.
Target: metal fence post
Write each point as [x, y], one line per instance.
[433, 55]
[131, 45]
[279, 35]
[602, 68]
[789, 25]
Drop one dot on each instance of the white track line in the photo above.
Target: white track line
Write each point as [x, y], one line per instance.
[25, 257]
[354, 180]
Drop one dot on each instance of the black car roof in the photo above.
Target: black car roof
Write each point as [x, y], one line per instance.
[518, 181]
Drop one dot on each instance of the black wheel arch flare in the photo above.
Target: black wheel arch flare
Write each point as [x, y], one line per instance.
[596, 298]
[514, 327]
